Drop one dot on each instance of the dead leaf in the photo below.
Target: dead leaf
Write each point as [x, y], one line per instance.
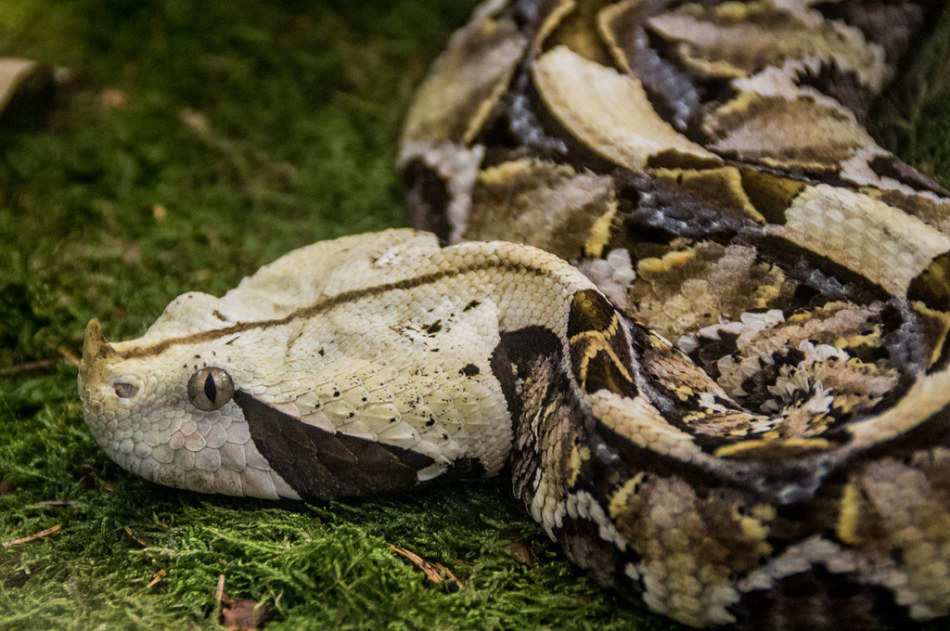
[195, 121]
[239, 615]
[214, 239]
[521, 551]
[132, 254]
[243, 615]
[33, 537]
[433, 571]
[113, 99]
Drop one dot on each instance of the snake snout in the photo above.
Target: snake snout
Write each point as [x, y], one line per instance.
[100, 385]
[95, 345]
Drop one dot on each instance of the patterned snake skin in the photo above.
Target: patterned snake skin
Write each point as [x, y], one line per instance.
[716, 364]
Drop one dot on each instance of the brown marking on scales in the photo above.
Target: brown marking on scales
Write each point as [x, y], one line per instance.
[600, 353]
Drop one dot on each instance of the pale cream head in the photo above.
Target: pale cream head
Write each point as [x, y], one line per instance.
[167, 414]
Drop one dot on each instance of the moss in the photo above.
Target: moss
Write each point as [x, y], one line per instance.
[197, 142]
[911, 118]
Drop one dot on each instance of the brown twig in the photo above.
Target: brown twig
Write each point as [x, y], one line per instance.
[138, 540]
[33, 537]
[40, 364]
[158, 576]
[433, 571]
[68, 355]
[56, 503]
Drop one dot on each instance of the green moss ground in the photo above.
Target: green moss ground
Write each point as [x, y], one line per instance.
[259, 127]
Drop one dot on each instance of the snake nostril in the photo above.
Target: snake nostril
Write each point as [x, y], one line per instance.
[124, 390]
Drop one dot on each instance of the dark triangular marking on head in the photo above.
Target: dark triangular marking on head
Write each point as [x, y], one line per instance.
[319, 465]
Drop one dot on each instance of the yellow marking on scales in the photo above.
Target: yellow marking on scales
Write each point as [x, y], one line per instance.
[597, 342]
[790, 447]
[621, 498]
[579, 455]
[849, 516]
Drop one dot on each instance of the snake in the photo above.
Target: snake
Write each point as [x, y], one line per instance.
[661, 275]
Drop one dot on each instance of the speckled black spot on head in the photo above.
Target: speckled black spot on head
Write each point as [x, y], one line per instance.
[319, 465]
[469, 370]
[435, 327]
[471, 305]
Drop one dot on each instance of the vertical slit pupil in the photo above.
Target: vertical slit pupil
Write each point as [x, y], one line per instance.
[210, 390]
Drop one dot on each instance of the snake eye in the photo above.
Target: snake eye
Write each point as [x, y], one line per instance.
[210, 388]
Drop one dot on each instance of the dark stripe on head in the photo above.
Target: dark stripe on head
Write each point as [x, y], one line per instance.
[327, 303]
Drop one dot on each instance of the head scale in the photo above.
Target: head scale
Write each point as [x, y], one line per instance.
[166, 412]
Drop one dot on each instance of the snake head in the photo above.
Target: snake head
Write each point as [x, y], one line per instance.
[168, 415]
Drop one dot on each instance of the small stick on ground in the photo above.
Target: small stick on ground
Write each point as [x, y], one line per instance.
[219, 594]
[155, 579]
[33, 537]
[137, 539]
[68, 355]
[54, 504]
[40, 364]
[433, 571]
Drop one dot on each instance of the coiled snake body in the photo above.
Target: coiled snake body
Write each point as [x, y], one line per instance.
[783, 462]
